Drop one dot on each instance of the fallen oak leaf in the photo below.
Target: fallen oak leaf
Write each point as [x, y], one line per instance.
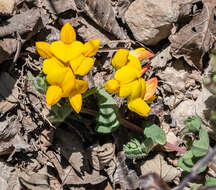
[101, 12]
[196, 38]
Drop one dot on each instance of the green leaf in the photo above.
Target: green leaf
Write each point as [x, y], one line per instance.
[60, 110]
[184, 166]
[193, 125]
[103, 128]
[107, 120]
[200, 147]
[135, 149]
[154, 132]
[189, 159]
[210, 181]
[39, 82]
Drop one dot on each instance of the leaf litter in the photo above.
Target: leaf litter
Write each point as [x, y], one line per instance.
[73, 156]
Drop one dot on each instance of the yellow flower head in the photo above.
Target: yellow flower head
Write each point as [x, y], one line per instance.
[64, 60]
[128, 81]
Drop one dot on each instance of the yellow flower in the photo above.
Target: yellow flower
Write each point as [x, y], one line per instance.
[128, 82]
[61, 79]
[69, 51]
[75, 96]
[64, 60]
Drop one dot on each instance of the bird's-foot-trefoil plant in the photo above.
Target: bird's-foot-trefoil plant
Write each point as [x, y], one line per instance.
[198, 148]
[139, 146]
[65, 63]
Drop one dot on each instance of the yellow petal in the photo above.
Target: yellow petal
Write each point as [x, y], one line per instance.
[127, 89]
[55, 73]
[151, 86]
[68, 34]
[127, 74]
[67, 52]
[139, 106]
[134, 62]
[43, 48]
[81, 86]
[76, 102]
[112, 86]
[143, 84]
[51, 64]
[75, 63]
[91, 47]
[141, 54]
[68, 82]
[85, 66]
[120, 58]
[53, 95]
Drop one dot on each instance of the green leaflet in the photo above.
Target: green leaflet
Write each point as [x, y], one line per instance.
[210, 181]
[61, 110]
[154, 132]
[199, 147]
[138, 146]
[107, 120]
[193, 125]
[136, 149]
[39, 82]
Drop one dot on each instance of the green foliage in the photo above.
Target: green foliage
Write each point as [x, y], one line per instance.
[136, 149]
[107, 120]
[154, 132]
[39, 82]
[193, 124]
[140, 146]
[60, 110]
[210, 181]
[199, 147]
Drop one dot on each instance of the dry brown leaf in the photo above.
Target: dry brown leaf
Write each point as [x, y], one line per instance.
[21, 23]
[7, 47]
[196, 38]
[123, 175]
[69, 176]
[8, 177]
[159, 166]
[58, 6]
[8, 93]
[71, 147]
[102, 13]
[152, 181]
[36, 181]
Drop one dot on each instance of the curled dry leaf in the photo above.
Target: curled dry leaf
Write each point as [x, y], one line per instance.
[102, 13]
[196, 38]
[159, 166]
[103, 157]
[123, 175]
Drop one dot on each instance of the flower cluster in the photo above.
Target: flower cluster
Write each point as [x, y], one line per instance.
[64, 60]
[128, 81]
